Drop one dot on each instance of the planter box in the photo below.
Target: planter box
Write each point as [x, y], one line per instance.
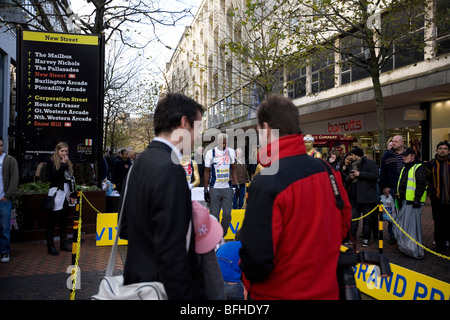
[34, 219]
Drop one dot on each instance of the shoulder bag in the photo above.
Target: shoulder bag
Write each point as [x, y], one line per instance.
[48, 203]
[113, 288]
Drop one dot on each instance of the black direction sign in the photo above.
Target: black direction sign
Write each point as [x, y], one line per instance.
[60, 95]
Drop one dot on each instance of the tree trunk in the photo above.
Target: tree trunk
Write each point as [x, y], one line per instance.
[379, 104]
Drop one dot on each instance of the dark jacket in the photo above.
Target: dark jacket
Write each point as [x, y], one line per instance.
[288, 214]
[388, 171]
[10, 175]
[366, 185]
[57, 177]
[157, 214]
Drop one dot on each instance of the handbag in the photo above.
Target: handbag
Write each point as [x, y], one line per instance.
[49, 202]
[113, 288]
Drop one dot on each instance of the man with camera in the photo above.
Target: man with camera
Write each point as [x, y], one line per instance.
[362, 192]
[293, 228]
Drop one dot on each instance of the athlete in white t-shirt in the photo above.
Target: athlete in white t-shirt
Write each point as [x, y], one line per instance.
[219, 175]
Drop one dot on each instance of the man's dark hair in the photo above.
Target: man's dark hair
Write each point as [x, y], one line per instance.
[280, 113]
[443, 143]
[171, 108]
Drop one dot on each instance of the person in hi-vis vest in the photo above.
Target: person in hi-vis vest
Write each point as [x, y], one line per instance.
[411, 193]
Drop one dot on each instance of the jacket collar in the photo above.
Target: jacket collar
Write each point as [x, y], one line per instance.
[286, 146]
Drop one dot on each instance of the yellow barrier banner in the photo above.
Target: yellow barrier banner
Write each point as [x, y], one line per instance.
[107, 229]
[237, 216]
[403, 284]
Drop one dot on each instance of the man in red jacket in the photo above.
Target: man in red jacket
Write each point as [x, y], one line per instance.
[292, 230]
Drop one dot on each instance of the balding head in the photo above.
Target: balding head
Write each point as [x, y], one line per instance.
[398, 143]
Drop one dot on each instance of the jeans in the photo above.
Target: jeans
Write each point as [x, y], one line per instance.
[5, 226]
[239, 197]
[234, 291]
[221, 199]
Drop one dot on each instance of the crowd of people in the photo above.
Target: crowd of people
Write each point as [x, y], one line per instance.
[296, 218]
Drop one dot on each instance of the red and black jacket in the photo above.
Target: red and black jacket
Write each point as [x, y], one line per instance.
[292, 230]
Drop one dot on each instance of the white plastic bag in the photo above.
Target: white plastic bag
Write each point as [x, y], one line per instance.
[389, 205]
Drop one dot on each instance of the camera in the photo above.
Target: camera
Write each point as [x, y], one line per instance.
[346, 279]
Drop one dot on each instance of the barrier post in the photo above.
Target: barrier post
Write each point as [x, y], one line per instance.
[380, 228]
[76, 226]
[76, 223]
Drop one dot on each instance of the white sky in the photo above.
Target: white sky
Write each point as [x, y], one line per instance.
[171, 35]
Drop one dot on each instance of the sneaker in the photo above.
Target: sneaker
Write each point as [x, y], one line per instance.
[4, 257]
[365, 243]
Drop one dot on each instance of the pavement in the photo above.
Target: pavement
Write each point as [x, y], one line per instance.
[33, 274]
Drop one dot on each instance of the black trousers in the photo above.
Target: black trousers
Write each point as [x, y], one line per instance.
[59, 218]
[361, 209]
[441, 217]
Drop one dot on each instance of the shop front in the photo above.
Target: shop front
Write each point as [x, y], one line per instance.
[362, 131]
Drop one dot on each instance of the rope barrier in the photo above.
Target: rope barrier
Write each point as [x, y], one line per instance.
[412, 239]
[382, 208]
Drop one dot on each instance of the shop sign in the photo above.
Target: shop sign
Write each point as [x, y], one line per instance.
[345, 126]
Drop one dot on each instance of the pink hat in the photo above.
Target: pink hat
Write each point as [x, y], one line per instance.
[208, 230]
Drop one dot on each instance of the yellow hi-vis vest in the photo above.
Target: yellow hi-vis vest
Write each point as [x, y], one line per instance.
[411, 184]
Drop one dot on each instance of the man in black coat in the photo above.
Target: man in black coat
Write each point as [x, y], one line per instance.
[158, 208]
[362, 193]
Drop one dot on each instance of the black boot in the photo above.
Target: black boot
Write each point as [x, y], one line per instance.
[64, 244]
[51, 245]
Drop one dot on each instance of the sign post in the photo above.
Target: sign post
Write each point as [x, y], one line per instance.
[60, 82]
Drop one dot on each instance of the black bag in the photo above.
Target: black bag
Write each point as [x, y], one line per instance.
[48, 203]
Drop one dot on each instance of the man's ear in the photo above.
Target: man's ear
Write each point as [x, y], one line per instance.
[184, 122]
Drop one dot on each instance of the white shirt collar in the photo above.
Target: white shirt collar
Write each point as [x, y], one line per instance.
[168, 143]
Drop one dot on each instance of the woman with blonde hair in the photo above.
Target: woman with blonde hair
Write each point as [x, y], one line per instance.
[62, 183]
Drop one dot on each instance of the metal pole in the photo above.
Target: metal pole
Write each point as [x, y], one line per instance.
[380, 228]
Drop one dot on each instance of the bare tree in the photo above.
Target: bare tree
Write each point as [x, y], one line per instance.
[111, 17]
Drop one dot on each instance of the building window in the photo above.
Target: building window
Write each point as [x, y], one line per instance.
[352, 46]
[442, 27]
[322, 72]
[297, 83]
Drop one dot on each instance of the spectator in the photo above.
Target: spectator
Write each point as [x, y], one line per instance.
[242, 178]
[391, 165]
[120, 169]
[362, 192]
[208, 233]
[9, 181]
[62, 182]
[293, 229]
[411, 191]
[158, 208]
[439, 191]
[228, 257]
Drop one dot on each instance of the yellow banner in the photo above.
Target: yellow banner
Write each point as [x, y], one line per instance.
[60, 38]
[107, 229]
[403, 284]
[237, 216]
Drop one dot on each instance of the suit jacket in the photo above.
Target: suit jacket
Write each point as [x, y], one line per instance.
[157, 214]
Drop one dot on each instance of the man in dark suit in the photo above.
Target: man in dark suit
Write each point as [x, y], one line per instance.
[158, 208]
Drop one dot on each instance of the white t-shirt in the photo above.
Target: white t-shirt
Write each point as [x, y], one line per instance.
[220, 166]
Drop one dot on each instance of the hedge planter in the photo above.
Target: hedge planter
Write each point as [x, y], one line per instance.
[32, 219]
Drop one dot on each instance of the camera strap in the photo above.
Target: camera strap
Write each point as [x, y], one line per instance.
[337, 195]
